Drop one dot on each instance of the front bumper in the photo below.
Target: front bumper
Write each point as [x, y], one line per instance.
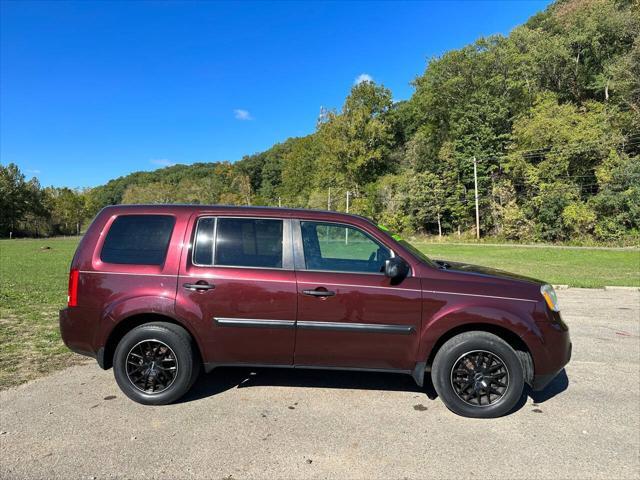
[554, 353]
[540, 382]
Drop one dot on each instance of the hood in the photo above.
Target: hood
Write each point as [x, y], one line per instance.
[485, 271]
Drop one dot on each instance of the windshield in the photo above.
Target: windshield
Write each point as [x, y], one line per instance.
[417, 253]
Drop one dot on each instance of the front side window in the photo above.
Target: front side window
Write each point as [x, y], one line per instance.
[248, 242]
[341, 248]
[138, 240]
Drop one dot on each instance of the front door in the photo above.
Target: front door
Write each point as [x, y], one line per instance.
[238, 286]
[349, 314]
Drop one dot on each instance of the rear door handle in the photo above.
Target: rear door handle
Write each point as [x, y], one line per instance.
[319, 293]
[199, 286]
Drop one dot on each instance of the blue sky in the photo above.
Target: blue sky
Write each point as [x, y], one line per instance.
[90, 91]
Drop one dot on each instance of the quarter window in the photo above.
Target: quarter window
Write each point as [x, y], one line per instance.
[248, 242]
[203, 244]
[341, 248]
[138, 240]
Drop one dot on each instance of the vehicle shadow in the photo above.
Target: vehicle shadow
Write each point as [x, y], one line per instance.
[558, 385]
[226, 378]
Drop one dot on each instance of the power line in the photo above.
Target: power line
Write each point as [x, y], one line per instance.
[555, 150]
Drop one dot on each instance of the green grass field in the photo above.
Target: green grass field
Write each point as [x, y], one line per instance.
[33, 287]
[576, 267]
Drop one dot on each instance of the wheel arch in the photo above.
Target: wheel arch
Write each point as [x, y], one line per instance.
[124, 326]
[513, 339]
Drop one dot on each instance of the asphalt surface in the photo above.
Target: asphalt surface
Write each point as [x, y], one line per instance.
[241, 423]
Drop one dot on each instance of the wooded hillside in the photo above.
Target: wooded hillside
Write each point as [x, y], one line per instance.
[551, 113]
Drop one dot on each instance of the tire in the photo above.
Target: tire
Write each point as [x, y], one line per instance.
[476, 357]
[157, 347]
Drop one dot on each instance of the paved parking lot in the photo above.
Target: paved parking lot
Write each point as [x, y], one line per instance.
[241, 423]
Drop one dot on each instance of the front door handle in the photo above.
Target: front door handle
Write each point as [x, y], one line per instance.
[199, 286]
[319, 293]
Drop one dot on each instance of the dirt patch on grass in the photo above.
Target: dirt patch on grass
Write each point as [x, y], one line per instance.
[29, 368]
[32, 347]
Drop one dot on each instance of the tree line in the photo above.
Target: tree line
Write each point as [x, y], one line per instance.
[550, 113]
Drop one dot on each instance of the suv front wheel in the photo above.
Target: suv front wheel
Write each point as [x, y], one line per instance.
[477, 374]
[155, 364]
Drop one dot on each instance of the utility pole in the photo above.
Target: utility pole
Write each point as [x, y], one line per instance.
[348, 194]
[279, 201]
[475, 182]
[329, 199]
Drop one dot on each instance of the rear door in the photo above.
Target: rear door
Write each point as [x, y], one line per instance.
[239, 285]
[349, 314]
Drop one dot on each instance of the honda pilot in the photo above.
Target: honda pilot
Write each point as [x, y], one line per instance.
[162, 292]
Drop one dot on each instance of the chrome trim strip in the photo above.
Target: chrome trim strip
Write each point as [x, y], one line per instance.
[341, 326]
[357, 327]
[349, 272]
[254, 322]
[277, 269]
[483, 296]
[213, 276]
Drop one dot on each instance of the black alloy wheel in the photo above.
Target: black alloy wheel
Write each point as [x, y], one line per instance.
[480, 378]
[152, 366]
[478, 374]
[156, 363]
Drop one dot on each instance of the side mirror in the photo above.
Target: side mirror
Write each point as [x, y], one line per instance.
[396, 269]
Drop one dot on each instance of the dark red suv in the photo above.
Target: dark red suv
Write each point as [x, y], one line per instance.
[158, 292]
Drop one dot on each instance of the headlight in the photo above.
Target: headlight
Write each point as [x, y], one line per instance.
[550, 297]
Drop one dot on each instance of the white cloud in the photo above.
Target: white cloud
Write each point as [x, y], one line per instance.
[240, 114]
[363, 77]
[162, 162]
[35, 172]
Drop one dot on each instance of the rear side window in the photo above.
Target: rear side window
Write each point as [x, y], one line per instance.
[249, 242]
[138, 240]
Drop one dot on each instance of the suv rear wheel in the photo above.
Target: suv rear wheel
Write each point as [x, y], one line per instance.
[155, 363]
[477, 374]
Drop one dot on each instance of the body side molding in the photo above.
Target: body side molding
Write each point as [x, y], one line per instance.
[358, 327]
[254, 322]
[307, 325]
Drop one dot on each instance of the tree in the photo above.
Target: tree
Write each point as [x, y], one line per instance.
[578, 219]
[563, 139]
[242, 185]
[547, 209]
[426, 200]
[356, 143]
[156, 192]
[299, 164]
[68, 210]
[617, 203]
[21, 202]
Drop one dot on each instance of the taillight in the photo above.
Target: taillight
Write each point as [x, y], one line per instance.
[72, 299]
